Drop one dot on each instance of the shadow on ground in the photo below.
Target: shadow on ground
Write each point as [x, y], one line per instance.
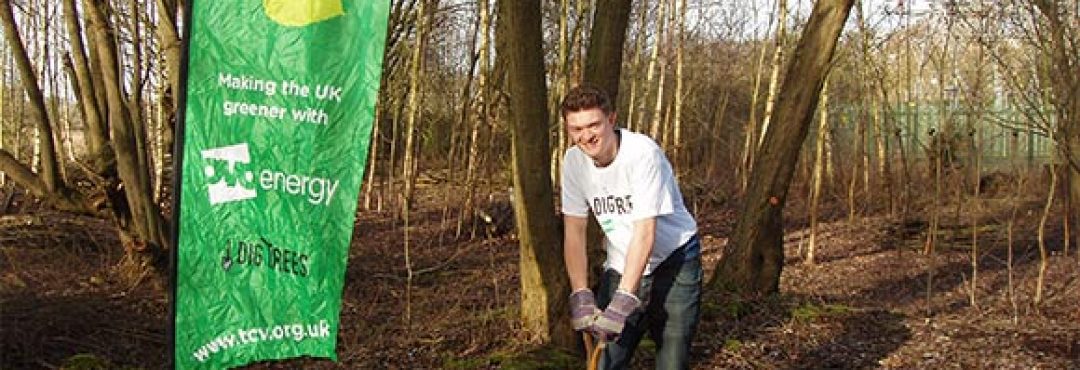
[45, 332]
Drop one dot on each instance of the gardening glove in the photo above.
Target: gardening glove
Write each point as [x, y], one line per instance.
[583, 309]
[610, 323]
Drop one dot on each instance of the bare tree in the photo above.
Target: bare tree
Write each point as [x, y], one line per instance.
[409, 166]
[122, 186]
[662, 42]
[479, 112]
[169, 44]
[603, 65]
[753, 259]
[650, 73]
[777, 64]
[635, 61]
[750, 130]
[819, 164]
[48, 182]
[544, 286]
[1040, 282]
[1060, 45]
[145, 223]
[680, 45]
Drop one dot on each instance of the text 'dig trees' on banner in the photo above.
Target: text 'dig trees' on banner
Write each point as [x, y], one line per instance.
[277, 121]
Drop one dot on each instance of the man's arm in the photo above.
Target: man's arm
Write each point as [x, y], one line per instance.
[611, 322]
[638, 256]
[574, 252]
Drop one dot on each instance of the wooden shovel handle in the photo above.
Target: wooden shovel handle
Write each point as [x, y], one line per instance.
[593, 350]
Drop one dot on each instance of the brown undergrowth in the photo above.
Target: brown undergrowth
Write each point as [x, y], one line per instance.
[864, 304]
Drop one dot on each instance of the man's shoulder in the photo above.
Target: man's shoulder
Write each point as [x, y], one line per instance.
[638, 143]
[573, 153]
[574, 159]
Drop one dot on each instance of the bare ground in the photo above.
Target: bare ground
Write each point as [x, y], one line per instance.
[864, 304]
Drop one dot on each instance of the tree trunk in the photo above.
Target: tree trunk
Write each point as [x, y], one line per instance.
[750, 131]
[655, 128]
[161, 124]
[639, 42]
[50, 76]
[718, 124]
[385, 105]
[413, 109]
[975, 225]
[460, 126]
[479, 115]
[544, 285]
[100, 153]
[603, 65]
[862, 117]
[864, 163]
[777, 63]
[50, 169]
[679, 46]
[408, 167]
[577, 72]
[562, 82]
[754, 257]
[3, 95]
[47, 183]
[1063, 58]
[1040, 281]
[391, 161]
[650, 73]
[134, 100]
[140, 221]
[169, 46]
[373, 157]
[94, 63]
[881, 146]
[63, 199]
[819, 164]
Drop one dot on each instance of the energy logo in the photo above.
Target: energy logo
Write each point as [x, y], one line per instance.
[230, 178]
[297, 13]
[230, 184]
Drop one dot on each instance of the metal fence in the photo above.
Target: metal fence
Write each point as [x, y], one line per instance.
[1003, 138]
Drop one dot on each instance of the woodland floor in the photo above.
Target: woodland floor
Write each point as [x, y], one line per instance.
[863, 305]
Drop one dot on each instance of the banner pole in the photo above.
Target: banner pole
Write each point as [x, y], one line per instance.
[178, 159]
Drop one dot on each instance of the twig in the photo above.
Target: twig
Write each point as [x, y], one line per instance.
[445, 262]
[138, 281]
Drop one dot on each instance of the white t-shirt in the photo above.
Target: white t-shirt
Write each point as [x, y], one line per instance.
[637, 184]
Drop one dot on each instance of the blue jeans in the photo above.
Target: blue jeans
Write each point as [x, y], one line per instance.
[671, 296]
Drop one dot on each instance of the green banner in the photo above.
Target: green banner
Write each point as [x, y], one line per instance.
[280, 100]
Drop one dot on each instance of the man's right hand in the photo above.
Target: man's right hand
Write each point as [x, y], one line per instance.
[583, 310]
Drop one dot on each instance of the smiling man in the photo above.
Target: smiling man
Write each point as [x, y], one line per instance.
[652, 276]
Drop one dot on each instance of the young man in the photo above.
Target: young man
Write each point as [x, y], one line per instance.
[652, 278]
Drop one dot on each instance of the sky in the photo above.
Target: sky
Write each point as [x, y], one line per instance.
[881, 14]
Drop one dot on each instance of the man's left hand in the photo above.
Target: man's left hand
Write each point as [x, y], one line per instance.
[609, 325]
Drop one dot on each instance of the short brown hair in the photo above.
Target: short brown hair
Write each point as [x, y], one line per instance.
[585, 97]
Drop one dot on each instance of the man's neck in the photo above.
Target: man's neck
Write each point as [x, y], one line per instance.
[614, 152]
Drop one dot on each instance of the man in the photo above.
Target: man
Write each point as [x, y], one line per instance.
[652, 278]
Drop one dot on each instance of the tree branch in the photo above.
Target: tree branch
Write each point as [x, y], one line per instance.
[21, 174]
[62, 198]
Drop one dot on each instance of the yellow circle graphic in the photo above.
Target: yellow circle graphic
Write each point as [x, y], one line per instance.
[297, 13]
